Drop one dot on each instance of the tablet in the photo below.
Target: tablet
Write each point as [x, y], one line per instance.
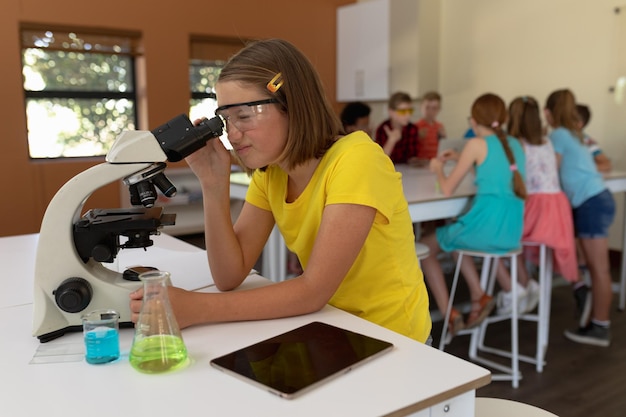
[296, 361]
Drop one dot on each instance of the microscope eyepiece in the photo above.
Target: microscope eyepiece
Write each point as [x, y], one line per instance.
[179, 138]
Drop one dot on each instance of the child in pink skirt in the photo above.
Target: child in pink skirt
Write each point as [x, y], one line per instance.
[547, 212]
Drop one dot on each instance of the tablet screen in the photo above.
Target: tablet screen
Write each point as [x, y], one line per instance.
[298, 360]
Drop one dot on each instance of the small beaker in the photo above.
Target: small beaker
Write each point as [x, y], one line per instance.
[101, 334]
[158, 345]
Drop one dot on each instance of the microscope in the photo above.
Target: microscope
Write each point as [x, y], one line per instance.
[70, 278]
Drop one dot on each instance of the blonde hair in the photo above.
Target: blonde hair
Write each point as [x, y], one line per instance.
[562, 107]
[313, 124]
[489, 110]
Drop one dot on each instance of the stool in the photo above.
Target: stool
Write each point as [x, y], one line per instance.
[498, 407]
[421, 250]
[487, 282]
[543, 310]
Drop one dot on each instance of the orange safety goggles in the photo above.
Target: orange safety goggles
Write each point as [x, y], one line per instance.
[404, 112]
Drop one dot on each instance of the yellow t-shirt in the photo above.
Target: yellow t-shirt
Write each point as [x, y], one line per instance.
[385, 284]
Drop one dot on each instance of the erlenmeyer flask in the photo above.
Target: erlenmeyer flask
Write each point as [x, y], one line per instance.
[158, 345]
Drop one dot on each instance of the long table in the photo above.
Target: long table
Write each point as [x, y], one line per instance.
[426, 202]
[53, 379]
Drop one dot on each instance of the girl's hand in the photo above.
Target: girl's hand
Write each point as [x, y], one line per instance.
[211, 163]
[136, 300]
[449, 155]
[436, 165]
[177, 298]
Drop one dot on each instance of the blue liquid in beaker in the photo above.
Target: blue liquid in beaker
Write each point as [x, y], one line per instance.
[102, 345]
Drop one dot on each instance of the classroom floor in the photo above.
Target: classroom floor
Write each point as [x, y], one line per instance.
[577, 380]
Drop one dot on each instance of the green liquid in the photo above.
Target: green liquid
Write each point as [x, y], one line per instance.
[156, 354]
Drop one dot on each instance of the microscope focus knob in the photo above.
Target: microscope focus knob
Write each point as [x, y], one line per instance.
[73, 295]
[102, 253]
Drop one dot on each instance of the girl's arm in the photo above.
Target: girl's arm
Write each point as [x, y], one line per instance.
[602, 162]
[342, 233]
[231, 251]
[474, 152]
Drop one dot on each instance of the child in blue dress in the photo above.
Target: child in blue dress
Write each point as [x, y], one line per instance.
[494, 221]
[593, 211]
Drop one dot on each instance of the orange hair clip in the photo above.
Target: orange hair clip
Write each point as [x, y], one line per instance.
[275, 83]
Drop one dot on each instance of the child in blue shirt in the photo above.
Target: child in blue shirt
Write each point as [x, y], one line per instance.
[593, 211]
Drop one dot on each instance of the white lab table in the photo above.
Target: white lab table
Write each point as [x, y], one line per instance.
[426, 202]
[412, 379]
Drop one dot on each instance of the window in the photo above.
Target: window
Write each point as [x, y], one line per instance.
[79, 89]
[202, 78]
[208, 57]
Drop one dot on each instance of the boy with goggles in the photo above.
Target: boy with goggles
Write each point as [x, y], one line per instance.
[397, 135]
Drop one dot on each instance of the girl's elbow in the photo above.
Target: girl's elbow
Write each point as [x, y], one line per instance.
[314, 304]
[317, 306]
[227, 283]
[225, 286]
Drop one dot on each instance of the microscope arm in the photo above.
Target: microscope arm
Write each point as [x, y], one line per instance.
[57, 258]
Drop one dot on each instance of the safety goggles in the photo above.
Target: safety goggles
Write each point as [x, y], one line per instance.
[404, 112]
[244, 116]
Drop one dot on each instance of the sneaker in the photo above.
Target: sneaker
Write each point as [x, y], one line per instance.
[504, 301]
[592, 334]
[582, 296]
[532, 297]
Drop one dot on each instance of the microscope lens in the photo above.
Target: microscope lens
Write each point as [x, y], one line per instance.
[167, 188]
[134, 195]
[147, 193]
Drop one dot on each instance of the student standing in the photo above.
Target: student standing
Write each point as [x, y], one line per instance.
[593, 211]
[397, 135]
[547, 213]
[603, 163]
[494, 222]
[430, 130]
[337, 201]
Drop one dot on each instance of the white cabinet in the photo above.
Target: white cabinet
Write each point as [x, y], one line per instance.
[384, 46]
[363, 51]
[462, 405]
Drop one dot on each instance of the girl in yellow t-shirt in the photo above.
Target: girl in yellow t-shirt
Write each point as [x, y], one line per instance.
[337, 200]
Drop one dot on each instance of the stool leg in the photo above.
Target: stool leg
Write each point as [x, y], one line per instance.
[514, 323]
[444, 332]
[545, 297]
[542, 308]
[549, 275]
[478, 334]
[487, 282]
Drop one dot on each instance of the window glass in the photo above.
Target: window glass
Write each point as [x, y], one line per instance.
[202, 78]
[79, 90]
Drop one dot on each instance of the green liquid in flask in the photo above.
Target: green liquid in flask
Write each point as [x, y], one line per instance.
[159, 353]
